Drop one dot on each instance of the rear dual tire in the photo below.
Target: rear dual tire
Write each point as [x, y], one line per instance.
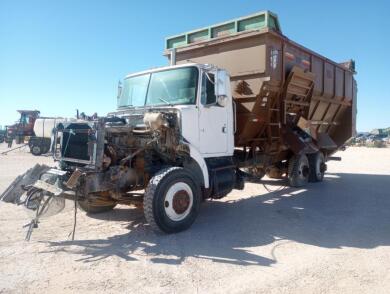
[36, 150]
[298, 170]
[317, 167]
[38, 147]
[303, 169]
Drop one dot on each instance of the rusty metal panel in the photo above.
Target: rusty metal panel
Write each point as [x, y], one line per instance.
[296, 57]
[328, 80]
[275, 58]
[318, 70]
[348, 86]
[339, 80]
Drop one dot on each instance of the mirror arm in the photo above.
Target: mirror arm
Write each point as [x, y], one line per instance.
[208, 77]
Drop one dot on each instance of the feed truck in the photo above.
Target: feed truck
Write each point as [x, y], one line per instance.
[238, 101]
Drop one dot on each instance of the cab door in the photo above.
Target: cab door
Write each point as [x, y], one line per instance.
[213, 121]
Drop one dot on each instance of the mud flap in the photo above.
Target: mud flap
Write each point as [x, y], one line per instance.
[15, 191]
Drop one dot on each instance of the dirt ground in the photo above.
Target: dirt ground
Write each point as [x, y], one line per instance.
[331, 237]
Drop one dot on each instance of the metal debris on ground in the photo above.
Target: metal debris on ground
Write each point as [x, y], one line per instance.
[19, 147]
[17, 188]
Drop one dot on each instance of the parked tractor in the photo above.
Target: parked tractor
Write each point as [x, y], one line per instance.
[24, 127]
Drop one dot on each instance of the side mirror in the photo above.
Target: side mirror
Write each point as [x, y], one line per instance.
[222, 87]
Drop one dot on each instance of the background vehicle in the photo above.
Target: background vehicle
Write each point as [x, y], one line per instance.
[37, 130]
[242, 97]
[2, 135]
[24, 126]
[43, 133]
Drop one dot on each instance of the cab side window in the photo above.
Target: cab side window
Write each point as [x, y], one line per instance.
[208, 95]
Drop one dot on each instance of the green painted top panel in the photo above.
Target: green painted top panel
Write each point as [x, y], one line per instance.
[223, 30]
[273, 22]
[177, 42]
[251, 22]
[198, 36]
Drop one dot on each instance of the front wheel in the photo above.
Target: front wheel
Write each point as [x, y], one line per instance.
[172, 200]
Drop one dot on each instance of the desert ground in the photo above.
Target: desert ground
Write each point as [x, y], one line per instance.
[330, 237]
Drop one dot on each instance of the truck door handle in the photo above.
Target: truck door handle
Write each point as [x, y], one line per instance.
[224, 129]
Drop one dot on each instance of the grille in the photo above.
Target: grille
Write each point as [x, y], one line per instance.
[76, 142]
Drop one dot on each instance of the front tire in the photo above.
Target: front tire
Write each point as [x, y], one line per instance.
[172, 200]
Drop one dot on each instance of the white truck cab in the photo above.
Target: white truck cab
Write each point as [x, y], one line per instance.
[201, 95]
[207, 120]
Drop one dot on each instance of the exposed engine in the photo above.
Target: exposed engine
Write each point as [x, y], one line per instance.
[119, 153]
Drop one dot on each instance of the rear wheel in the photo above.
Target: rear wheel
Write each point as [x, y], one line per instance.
[36, 150]
[172, 200]
[317, 167]
[298, 170]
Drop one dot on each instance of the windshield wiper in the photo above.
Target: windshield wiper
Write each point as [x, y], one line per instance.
[167, 102]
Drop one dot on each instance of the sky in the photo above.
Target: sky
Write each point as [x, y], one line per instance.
[59, 56]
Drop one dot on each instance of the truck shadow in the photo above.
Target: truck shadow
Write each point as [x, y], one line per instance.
[346, 210]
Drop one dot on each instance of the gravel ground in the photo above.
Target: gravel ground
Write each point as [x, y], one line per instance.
[331, 237]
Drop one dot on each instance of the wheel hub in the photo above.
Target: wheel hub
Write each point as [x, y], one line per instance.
[181, 201]
[322, 167]
[36, 149]
[178, 201]
[305, 171]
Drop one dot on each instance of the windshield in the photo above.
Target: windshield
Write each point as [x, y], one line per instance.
[169, 87]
